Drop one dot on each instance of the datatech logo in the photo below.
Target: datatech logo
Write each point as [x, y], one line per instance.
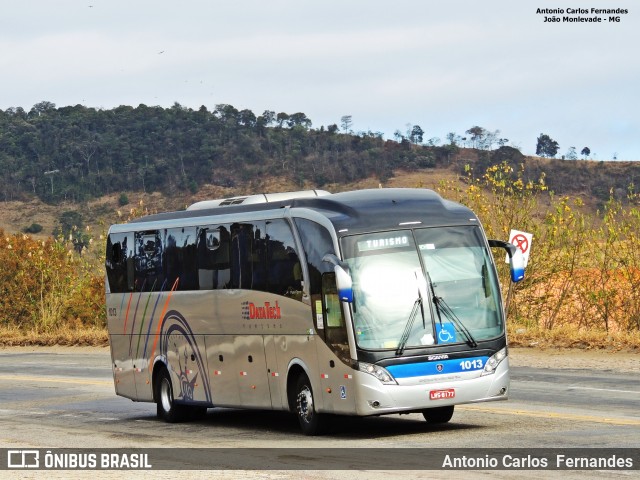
[251, 311]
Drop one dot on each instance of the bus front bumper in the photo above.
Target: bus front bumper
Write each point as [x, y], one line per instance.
[376, 398]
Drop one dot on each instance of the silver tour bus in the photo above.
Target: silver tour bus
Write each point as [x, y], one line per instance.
[361, 303]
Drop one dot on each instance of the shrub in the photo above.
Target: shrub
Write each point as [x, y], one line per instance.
[33, 228]
[45, 284]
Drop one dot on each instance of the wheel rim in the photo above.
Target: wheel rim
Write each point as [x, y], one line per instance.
[305, 404]
[166, 396]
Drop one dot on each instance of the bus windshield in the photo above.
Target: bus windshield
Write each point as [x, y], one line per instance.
[389, 271]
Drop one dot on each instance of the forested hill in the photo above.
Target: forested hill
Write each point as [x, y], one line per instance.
[76, 153]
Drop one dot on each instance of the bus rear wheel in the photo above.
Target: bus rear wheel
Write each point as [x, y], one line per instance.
[167, 409]
[310, 421]
[438, 414]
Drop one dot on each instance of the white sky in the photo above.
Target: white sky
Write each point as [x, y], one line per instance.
[445, 65]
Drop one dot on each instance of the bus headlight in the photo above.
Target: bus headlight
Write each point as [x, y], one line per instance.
[494, 361]
[380, 373]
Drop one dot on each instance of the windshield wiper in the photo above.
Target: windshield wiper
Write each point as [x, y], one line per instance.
[444, 308]
[417, 305]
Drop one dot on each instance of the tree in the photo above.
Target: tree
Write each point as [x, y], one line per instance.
[416, 134]
[586, 151]
[571, 154]
[299, 120]
[42, 107]
[477, 135]
[345, 123]
[269, 117]
[247, 118]
[87, 150]
[546, 147]
[281, 118]
[453, 138]
[227, 113]
[489, 139]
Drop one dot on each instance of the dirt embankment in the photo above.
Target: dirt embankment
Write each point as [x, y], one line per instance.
[575, 359]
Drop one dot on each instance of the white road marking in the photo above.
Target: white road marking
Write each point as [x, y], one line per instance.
[604, 390]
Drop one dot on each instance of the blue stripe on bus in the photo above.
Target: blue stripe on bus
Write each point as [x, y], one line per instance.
[423, 369]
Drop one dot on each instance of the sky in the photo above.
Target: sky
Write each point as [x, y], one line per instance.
[444, 65]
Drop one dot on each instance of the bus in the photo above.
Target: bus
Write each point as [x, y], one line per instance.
[362, 303]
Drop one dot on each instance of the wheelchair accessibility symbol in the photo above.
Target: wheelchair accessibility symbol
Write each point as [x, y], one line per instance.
[343, 392]
[446, 333]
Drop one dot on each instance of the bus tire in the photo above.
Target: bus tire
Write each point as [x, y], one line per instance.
[167, 409]
[310, 421]
[438, 414]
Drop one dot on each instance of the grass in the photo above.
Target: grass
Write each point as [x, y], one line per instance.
[572, 337]
[64, 336]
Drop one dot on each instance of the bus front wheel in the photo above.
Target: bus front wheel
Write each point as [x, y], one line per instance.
[309, 419]
[438, 414]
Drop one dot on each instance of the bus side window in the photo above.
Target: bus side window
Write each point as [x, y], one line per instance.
[335, 329]
[179, 258]
[213, 262]
[189, 273]
[316, 242]
[327, 309]
[247, 256]
[119, 262]
[149, 275]
[284, 274]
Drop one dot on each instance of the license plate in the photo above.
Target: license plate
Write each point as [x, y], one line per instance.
[442, 394]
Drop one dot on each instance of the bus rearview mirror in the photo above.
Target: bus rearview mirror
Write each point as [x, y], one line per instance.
[516, 259]
[343, 279]
[344, 284]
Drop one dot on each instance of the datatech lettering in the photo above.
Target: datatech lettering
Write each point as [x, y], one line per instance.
[265, 312]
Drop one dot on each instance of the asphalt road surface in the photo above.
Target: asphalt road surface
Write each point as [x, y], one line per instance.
[54, 398]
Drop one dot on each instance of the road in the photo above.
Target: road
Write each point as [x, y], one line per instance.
[65, 398]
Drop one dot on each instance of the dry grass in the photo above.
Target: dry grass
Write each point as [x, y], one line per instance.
[572, 337]
[63, 335]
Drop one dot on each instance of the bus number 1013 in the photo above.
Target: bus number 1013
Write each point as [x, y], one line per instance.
[475, 364]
